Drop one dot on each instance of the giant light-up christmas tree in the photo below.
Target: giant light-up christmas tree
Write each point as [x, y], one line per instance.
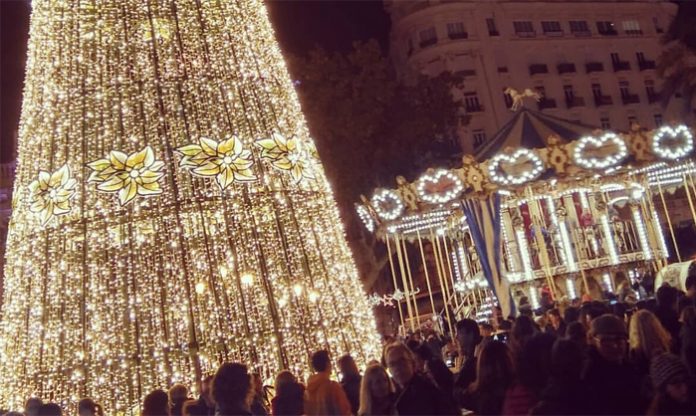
[170, 211]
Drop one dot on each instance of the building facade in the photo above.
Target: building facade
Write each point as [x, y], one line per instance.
[592, 61]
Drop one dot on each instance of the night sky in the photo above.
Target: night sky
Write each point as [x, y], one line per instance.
[300, 26]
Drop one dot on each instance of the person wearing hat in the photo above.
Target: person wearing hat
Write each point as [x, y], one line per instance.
[612, 381]
[670, 379]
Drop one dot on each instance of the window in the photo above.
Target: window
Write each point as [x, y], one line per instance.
[551, 28]
[605, 123]
[656, 23]
[568, 92]
[471, 102]
[658, 120]
[524, 28]
[579, 28]
[479, 138]
[492, 29]
[606, 28]
[456, 30]
[596, 90]
[640, 57]
[631, 121]
[427, 37]
[631, 27]
[508, 100]
[623, 87]
[650, 87]
[615, 58]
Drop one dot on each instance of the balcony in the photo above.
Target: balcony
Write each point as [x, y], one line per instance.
[538, 69]
[565, 68]
[591, 67]
[458, 35]
[572, 102]
[610, 32]
[526, 34]
[493, 33]
[635, 32]
[645, 64]
[630, 99]
[600, 100]
[621, 66]
[428, 42]
[474, 108]
[554, 33]
[653, 97]
[582, 33]
[545, 103]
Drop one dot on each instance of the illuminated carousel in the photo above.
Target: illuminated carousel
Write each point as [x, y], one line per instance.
[546, 217]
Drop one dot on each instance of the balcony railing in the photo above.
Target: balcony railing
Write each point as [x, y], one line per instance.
[459, 35]
[493, 33]
[554, 33]
[565, 68]
[630, 99]
[474, 108]
[428, 42]
[572, 102]
[594, 67]
[526, 34]
[621, 66]
[538, 69]
[645, 64]
[600, 100]
[545, 103]
[610, 32]
[582, 33]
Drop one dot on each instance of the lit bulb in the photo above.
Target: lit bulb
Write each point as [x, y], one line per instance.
[247, 279]
[313, 296]
[200, 288]
[223, 271]
[297, 289]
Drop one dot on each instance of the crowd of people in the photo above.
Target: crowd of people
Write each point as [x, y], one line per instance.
[596, 359]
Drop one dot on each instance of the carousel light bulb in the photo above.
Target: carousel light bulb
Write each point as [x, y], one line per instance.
[297, 289]
[247, 279]
[200, 288]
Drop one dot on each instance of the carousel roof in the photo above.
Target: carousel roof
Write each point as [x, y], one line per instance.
[531, 130]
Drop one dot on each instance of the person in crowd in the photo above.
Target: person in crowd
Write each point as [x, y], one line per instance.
[323, 395]
[646, 339]
[486, 330]
[156, 403]
[667, 313]
[258, 402]
[232, 390]
[576, 333]
[689, 299]
[50, 409]
[565, 393]
[87, 407]
[204, 405]
[178, 394]
[591, 310]
[557, 325]
[523, 330]
[435, 343]
[494, 375]
[350, 381]
[670, 379]
[416, 395]
[434, 369]
[613, 381]
[377, 395]
[289, 395]
[533, 367]
[32, 405]
[624, 289]
[687, 336]
[468, 339]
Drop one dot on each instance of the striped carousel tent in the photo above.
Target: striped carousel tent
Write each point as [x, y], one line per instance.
[531, 129]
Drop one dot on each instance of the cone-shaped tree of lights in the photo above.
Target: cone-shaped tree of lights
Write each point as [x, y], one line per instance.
[170, 212]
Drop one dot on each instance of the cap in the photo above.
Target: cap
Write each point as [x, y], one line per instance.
[608, 324]
[667, 368]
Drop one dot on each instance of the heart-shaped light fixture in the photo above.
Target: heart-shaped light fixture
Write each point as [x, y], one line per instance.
[520, 156]
[387, 204]
[681, 135]
[590, 143]
[439, 187]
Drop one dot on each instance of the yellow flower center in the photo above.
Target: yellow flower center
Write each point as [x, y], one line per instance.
[134, 173]
[227, 160]
[52, 194]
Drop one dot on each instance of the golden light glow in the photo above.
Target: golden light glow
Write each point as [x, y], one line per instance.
[105, 300]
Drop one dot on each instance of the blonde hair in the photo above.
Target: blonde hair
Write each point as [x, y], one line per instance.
[365, 393]
[647, 335]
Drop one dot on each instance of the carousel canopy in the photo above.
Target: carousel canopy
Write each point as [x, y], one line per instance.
[531, 129]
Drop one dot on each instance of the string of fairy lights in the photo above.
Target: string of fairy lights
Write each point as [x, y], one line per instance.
[170, 211]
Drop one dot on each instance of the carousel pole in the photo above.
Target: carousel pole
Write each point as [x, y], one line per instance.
[688, 197]
[404, 279]
[425, 269]
[539, 237]
[396, 287]
[410, 279]
[449, 265]
[440, 271]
